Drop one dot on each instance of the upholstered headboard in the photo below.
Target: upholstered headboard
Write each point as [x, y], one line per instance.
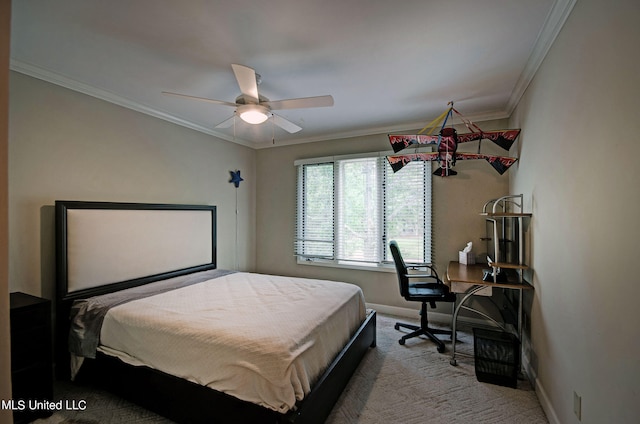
[105, 246]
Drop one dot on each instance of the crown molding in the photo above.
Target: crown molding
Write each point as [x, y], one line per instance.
[550, 30]
[389, 129]
[66, 82]
[71, 84]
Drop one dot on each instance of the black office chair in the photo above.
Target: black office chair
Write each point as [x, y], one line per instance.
[430, 289]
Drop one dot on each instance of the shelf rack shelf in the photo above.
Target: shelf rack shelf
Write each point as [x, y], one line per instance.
[507, 220]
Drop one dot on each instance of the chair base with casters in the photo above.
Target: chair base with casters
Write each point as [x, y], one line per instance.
[423, 330]
[429, 289]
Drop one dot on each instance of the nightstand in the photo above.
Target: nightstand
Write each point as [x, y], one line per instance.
[31, 354]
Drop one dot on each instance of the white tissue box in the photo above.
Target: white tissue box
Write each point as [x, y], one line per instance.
[466, 258]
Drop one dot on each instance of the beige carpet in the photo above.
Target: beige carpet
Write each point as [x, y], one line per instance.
[416, 384]
[394, 384]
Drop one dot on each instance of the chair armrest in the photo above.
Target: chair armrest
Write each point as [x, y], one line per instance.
[415, 265]
[420, 276]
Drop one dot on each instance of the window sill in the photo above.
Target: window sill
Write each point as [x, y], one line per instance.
[349, 265]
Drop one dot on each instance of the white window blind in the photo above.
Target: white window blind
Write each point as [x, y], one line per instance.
[315, 232]
[349, 208]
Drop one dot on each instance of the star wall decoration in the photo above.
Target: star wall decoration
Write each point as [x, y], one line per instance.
[235, 178]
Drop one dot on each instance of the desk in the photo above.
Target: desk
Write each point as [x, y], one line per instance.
[472, 274]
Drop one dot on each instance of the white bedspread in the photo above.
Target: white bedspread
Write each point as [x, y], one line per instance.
[261, 338]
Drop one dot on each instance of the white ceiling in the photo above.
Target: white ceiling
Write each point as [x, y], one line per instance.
[390, 65]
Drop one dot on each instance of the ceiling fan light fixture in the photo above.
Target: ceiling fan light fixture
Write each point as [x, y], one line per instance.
[254, 108]
[253, 114]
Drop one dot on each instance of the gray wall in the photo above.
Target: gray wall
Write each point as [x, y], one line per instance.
[579, 172]
[64, 145]
[457, 203]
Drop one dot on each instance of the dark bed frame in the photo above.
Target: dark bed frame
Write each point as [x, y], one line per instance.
[177, 399]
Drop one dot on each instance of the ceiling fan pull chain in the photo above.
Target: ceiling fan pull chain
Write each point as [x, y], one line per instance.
[273, 130]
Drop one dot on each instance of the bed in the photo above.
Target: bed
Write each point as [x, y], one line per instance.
[144, 311]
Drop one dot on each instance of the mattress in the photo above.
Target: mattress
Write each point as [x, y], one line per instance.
[261, 338]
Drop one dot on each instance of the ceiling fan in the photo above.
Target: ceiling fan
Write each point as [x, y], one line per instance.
[254, 108]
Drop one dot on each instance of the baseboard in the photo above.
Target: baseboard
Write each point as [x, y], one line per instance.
[439, 317]
[541, 393]
[393, 310]
[547, 407]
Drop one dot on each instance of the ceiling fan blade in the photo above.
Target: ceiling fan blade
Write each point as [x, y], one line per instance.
[304, 102]
[247, 82]
[286, 125]
[203, 99]
[227, 122]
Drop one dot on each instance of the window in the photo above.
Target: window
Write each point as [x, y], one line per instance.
[350, 207]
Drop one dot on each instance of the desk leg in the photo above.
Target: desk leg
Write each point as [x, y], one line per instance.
[473, 290]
